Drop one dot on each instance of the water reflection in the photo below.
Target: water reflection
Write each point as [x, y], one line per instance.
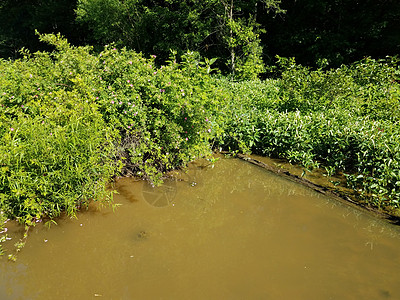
[224, 231]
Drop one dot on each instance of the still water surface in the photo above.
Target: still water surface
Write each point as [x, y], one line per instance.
[228, 231]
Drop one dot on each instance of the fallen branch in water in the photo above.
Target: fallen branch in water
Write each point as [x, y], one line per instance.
[341, 196]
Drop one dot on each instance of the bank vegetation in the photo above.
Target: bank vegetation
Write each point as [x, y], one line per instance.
[72, 119]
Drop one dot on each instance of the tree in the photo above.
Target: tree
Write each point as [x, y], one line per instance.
[241, 34]
[334, 31]
[146, 26]
[226, 29]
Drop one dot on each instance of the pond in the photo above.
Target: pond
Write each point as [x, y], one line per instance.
[228, 230]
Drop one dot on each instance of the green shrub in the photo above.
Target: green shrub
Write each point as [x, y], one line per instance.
[72, 119]
[56, 151]
[164, 114]
[343, 120]
[54, 162]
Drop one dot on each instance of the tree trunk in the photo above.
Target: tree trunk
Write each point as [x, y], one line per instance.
[232, 48]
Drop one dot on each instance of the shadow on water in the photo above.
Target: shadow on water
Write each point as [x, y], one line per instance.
[228, 230]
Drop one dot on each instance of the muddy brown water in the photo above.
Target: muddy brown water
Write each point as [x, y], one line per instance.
[225, 231]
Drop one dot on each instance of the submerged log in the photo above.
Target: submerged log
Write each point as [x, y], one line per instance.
[341, 196]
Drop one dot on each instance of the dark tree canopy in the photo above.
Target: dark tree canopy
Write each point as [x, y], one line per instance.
[340, 31]
[20, 18]
[241, 34]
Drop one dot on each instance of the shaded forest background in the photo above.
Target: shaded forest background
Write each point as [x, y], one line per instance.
[318, 33]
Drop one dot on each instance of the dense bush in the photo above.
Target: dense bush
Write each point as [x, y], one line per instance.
[71, 120]
[56, 151]
[165, 114]
[367, 87]
[343, 120]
